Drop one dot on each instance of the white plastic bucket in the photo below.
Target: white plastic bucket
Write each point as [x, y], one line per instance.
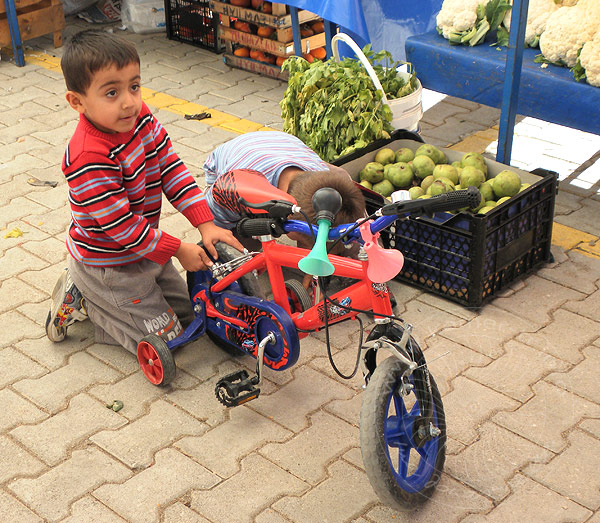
[408, 110]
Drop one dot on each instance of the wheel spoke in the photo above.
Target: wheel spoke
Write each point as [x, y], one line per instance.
[399, 405]
[422, 451]
[155, 371]
[415, 411]
[146, 352]
[403, 459]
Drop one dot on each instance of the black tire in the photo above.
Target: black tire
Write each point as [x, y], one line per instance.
[156, 360]
[297, 296]
[394, 484]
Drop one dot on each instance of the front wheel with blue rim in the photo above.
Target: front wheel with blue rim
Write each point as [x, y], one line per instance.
[402, 470]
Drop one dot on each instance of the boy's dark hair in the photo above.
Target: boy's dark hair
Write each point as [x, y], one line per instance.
[89, 51]
[305, 184]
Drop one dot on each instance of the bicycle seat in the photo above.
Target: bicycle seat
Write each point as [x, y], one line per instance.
[248, 184]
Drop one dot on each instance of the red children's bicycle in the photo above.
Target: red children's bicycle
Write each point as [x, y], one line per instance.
[402, 424]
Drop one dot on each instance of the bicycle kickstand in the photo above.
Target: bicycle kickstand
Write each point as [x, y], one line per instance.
[239, 387]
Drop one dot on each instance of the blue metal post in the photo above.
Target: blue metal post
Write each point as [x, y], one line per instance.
[512, 80]
[296, 31]
[330, 31]
[15, 32]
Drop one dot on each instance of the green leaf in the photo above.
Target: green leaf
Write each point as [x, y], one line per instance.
[502, 35]
[579, 71]
[482, 31]
[495, 11]
[541, 59]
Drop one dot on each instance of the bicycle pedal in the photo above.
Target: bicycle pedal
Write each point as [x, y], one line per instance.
[236, 388]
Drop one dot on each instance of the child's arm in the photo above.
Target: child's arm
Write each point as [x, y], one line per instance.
[182, 191]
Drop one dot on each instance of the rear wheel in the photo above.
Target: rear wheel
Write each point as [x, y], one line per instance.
[402, 472]
[298, 296]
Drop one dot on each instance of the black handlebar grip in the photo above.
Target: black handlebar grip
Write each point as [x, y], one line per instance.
[444, 202]
[247, 227]
[453, 200]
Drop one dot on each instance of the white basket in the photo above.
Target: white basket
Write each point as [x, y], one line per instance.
[408, 110]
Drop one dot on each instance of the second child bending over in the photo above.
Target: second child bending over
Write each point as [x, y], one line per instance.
[285, 163]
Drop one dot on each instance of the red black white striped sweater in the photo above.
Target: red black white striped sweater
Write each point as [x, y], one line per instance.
[115, 191]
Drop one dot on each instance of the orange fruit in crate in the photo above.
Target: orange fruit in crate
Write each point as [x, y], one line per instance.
[308, 57]
[261, 5]
[319, 53]
[244, 52]
[268, 58]
[255, 53]
[242, 26]
[279, 61]
[318, 27]
[265, 31]
[306, 31]
[240, 3]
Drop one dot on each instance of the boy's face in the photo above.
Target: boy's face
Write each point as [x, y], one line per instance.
[113, 100]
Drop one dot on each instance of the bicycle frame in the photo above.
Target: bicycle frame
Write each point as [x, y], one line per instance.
[363, 295]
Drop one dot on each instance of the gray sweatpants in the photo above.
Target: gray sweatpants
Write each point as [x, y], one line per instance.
[128, 302]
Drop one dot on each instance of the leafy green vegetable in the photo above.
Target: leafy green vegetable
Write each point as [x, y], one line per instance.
[541, 59]
[489, 18]
[578, 70]
[502, 35]
[334, 108]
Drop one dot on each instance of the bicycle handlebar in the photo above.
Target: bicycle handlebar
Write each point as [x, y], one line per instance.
[470, 197]
[248, 227]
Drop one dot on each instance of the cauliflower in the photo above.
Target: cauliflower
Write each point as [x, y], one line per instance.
[537, 16]
[589, 60]
[567, 29]
[469, 21]
[457, 16]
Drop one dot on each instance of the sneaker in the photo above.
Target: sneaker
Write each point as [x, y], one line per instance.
[67, 308]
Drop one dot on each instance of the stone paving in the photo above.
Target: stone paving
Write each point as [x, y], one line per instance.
[519, 383]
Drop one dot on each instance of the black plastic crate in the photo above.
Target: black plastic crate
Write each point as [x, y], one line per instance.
[469, 258]
[192, 22]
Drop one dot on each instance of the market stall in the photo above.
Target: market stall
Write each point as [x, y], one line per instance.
[477, 74]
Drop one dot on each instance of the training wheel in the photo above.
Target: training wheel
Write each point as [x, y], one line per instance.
[156, 360]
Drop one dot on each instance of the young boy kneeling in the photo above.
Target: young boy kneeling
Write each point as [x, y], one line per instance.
[118, 163]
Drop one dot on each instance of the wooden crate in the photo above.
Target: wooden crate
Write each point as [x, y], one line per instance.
[254, 66]
[281, 43]
[35, 18]
[279, 19]
[269, 45]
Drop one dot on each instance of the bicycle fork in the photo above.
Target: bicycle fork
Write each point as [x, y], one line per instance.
[424, 429]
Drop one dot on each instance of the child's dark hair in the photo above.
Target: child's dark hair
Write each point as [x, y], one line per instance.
[305, 184]
[89, 51]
